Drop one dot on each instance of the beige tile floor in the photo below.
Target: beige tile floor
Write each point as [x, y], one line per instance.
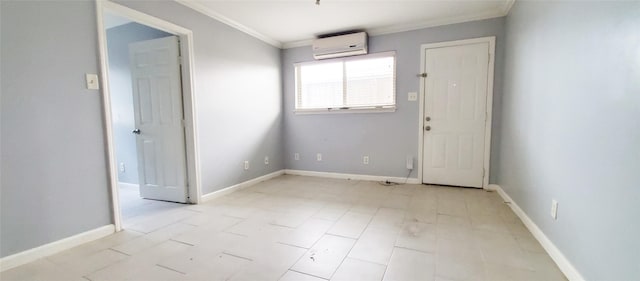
[297, 228]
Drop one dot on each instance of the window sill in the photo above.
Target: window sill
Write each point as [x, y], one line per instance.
[379, 109]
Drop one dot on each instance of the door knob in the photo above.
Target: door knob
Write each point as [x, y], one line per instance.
[428, 118]
[136, 131]
[427, 128]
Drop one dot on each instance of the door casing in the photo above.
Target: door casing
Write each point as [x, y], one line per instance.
[487, 144]
[188, 97]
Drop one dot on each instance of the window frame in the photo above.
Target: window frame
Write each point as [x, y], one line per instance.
[355, 109]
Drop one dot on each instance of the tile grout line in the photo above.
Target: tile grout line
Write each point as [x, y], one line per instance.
[169, 268]
[310, 274]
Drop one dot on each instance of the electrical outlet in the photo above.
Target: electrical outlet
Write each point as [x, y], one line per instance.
[554, 209]
[365, 160]
[319, 156]
[266, 160]
[409, 162]
[412, 96]
[296, 156]
[246, 165]
[92, 81]
[122, 167]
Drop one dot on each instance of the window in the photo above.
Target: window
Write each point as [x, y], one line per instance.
[354, 83]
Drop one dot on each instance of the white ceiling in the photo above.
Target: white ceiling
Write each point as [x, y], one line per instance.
[290, 23]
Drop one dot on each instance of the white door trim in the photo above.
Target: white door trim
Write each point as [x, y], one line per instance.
[188, 96]
[487, 139]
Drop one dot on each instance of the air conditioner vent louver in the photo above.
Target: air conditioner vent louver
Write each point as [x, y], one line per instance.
[340, 46]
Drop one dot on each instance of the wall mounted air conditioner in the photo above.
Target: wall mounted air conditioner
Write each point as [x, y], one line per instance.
[340, 46]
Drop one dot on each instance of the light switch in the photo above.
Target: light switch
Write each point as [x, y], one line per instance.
[412, 96]
[92, 81]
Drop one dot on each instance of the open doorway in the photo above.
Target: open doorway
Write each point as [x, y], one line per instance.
[124, 38]
[149, 109]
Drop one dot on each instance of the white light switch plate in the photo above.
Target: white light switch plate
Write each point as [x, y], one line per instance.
[412, 96]
[92, 81]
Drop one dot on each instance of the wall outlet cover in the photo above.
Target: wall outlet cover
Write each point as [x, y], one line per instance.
[319, 156]
[554, 209]
[365, 160]
[412, 96]
[409, 162]
[296, 156]
[246, 165]
[92, 81]
[266, 160]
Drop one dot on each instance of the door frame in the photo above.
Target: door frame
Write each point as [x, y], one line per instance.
[491, 40]
[188, 99]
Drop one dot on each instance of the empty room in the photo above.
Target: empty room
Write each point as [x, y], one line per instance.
[316, 140]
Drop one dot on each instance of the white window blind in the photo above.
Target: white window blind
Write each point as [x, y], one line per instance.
[347, 83]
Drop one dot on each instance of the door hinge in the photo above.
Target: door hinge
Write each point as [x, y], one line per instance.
[179, 60]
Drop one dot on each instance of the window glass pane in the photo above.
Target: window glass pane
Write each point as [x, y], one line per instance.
[321, 85]
[370, 82]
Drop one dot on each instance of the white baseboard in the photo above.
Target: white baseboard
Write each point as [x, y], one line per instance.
[30, 255]
[351, 176]
[563, 263]
[128, 185]
[240, 186]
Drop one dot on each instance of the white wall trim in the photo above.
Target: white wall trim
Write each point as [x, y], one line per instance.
[188, 95]
[414, 26]
[350, 176]
[491, 40]
[108, 126]
[217, 16]
[30, 255]
[507, 7]
[563, 263]
[218, 193]
[503, 11]
[242, 185]
[128, 185]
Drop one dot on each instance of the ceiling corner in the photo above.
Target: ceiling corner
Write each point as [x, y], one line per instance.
[295, 44]
[194, 5]
[434, 23]
[507, 6]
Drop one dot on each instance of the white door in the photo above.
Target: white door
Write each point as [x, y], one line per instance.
[454, 114]
[157, 101]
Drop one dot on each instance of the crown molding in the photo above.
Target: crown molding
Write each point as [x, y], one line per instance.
[299, 43]
[413, 26]
[503, 11]
[434, 23]
[507, 6]
[212, 14]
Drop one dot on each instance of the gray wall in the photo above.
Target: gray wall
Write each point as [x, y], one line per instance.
[387, 138]
[54, 173]
[238, 95]
[571, 129]
[118, 39]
